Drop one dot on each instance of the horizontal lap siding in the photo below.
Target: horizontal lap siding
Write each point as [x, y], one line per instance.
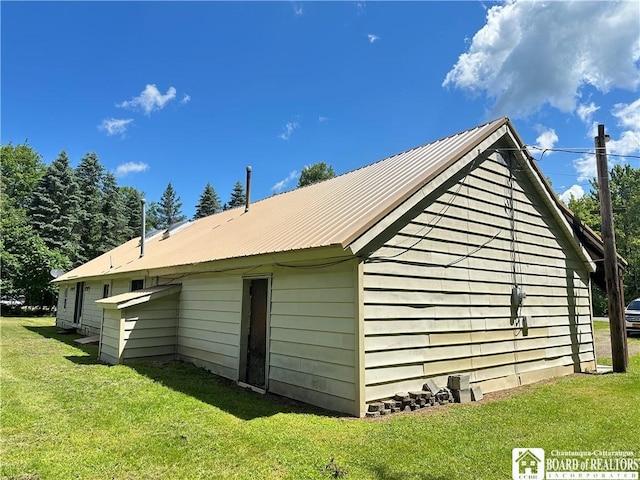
[120, 286]
[434, 306]
[209, 327]
[110, 338]
[150, 329]
[91, 319]
[312, 336]
[64, 315]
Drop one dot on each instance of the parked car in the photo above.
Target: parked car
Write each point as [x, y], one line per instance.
[12, 301]
[632, 316]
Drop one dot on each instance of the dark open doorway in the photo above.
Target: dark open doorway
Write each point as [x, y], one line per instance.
[77, 313]
[253, 367]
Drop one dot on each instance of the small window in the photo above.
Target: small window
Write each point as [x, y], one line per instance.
[66, 294]
[105, 291]
[137, 285]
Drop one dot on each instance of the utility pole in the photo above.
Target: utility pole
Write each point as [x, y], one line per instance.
[611, 274]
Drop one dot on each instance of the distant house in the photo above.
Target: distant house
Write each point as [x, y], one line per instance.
[451, 257]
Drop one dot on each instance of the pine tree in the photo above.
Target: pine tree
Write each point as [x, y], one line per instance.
[114, 225]
[169, 208]
[209, 203]
[238, 198]
[54, 208]
[131, 199]
[90, 174]
[153, 221]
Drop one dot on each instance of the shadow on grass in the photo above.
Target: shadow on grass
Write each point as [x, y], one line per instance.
[382, 472]
[90, 356]
[194, 381]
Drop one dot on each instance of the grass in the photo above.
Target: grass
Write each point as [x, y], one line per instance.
[66, 416]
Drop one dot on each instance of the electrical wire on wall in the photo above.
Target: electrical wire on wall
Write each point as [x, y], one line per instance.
[438, 216]
[517, 293]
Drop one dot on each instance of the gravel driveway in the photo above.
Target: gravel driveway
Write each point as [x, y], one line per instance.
[603, 341]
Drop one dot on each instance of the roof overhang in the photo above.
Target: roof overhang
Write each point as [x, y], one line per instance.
[549, 196]
[411, 204]
[130, 299]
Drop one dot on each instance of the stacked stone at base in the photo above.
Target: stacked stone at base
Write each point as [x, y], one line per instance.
[459, 386]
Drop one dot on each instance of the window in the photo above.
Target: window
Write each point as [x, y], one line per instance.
[66, 294]
[105, 291]
[137, 285]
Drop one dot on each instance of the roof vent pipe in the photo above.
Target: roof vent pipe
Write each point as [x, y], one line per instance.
[247, 199]
[144, 226]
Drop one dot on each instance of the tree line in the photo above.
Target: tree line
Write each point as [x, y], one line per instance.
[625, 198]
[57, 217]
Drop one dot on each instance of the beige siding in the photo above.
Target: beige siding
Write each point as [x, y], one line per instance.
[150, 329]
[145, 330]
[91, 319]
[120, 286]
[64, 312]
[112, 331]
[312, 336]
[437, 299]
[209, 326]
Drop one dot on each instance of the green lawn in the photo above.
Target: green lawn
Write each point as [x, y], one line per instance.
[66, 416]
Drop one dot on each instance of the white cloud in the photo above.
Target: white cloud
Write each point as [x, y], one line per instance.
[575, 191]
[585, 112]
[585, 167]
[278, 187]
[529, 54]
[288, 130]
[372, 37]
[547, 138]
[185, 99]
[361, 7]
[322, 119]
[297, 8]
[627, 143]
[131, 167]
[628, 117]
[150, 99]
[115, 126]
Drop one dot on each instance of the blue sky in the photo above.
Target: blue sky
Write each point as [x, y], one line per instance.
[193, 92]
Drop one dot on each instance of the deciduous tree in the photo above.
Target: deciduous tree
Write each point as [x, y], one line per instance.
[315, 173]
[21, 168]
[625, 198]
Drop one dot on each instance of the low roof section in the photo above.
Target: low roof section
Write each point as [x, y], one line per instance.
[137, 297]
[329, 215]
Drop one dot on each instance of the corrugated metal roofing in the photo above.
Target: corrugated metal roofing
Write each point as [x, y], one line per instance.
[333, 212]
[129, 299]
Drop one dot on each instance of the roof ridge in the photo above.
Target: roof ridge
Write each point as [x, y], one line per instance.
[432, 142]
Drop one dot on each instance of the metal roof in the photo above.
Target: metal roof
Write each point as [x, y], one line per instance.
[331, 213]
[129, 299]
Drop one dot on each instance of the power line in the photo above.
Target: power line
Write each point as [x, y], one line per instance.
[578, 150]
